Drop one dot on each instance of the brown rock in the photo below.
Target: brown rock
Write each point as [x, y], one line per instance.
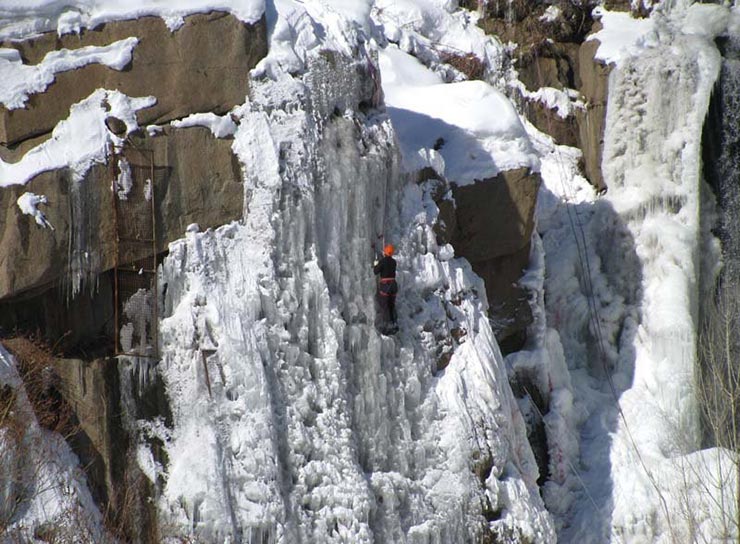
[188, 189]
[563, 131]
[116, 126]
[491, 225]
[509, 307]
[641, 10]
[594, 76]
[549, 64]
[199, 180]
[495, 217]
[201, 67]
[554, 54]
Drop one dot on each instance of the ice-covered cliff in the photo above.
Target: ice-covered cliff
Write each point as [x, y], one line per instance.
[280, 412]
[292, 417]
[628, 318]
[318, 427]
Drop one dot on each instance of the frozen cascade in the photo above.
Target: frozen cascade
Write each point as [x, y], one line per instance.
[317, 428]
[83, 211]
[627, 321]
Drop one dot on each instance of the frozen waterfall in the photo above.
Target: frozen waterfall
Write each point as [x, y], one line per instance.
[317, 428]
[628, 319]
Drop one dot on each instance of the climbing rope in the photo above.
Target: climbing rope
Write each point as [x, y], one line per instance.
[585, 263]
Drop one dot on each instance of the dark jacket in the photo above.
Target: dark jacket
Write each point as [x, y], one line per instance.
[386, 267]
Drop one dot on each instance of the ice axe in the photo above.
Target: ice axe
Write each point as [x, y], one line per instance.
[375, 246]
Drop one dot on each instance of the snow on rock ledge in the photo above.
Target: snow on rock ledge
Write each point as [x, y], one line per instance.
[186, 71]
[318, 428]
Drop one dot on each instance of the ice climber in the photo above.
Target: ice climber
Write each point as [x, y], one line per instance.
[387, 286]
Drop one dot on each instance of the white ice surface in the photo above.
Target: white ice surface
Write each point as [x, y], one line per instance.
[622, 282]
[317, 427]
[332, 431]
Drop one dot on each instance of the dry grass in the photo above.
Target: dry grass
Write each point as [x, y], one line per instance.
[35, 362]
[468, 64]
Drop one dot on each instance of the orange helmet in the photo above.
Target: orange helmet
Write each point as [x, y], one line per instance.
[388, 250]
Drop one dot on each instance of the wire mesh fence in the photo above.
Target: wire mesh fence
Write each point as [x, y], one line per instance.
[135, 291]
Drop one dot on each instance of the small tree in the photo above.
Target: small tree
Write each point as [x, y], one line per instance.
[719, 397]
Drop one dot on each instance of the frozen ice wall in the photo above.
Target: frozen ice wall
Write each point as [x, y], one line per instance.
[294, 419]
[623, 279]
[722, 139]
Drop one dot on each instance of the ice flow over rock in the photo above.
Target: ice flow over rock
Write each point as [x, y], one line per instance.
[317, 428]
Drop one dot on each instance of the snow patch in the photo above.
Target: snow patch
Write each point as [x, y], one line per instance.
[20, 80]
[473, 127]
[564, 102]
[28, 203]
[621, 35]
[221, 126]
[79, 141]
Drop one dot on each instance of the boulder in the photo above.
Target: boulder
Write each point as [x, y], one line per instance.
[495, 217]
[201, 67]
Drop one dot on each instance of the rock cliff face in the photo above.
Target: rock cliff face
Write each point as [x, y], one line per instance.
[490, 224]
[551, 53]
[195, 179]
[188, 72]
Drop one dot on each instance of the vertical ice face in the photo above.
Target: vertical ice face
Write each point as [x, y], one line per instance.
[623, 278]
[316, 428]
[722, 140]
[652, 158]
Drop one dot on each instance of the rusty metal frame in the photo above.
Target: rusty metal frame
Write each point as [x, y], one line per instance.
[119, 267]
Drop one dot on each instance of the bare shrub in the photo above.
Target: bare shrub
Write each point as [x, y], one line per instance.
[718, 385]
[24, 473]
[35, 359]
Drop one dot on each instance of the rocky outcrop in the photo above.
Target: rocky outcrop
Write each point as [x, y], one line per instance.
[594, 78]
[490, 223]
[82, 400]
[187, 189]
[551, 52]
[203, 66]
